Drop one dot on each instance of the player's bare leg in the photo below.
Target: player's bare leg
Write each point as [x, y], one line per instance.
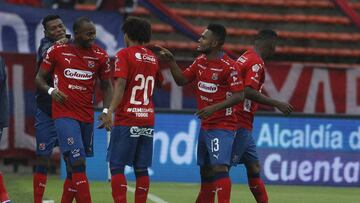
[256, 185]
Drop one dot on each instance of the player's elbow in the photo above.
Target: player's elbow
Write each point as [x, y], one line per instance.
[181, 81]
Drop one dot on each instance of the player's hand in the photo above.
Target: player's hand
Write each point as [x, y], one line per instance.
[165, 54]
[205, 112]
[59, 96]
[62, 41]
[105, 121]
[285, 108]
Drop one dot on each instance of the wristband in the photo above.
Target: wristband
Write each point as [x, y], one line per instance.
[50, 90]
[105, 110]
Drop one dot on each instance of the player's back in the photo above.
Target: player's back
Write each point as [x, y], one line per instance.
[139, 67]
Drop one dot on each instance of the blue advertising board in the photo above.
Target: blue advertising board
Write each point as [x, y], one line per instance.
[292, 150]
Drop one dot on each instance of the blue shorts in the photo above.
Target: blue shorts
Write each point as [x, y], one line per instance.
[214, 147]
[45, 134]
[244, 148]
[74, 135]
[130, 145]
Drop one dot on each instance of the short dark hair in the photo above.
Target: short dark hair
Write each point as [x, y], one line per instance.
[79, 21]
[49, 18]
[137, 29]
[266, 35]
[219, 31]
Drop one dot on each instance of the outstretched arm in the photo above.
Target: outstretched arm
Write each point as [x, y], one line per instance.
[176, 72]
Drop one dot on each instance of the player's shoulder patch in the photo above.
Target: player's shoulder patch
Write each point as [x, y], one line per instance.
[201, 57]
[98, 50]
[241, 59]
[256, 67]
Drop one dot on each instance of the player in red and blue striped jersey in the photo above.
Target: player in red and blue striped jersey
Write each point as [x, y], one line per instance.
[219, 87]
[252, 70]
[75, 68]
[131, 143]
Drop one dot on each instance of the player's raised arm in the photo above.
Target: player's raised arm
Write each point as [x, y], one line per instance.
[176, 72]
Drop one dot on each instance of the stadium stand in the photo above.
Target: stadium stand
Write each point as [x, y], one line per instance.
[311, 31]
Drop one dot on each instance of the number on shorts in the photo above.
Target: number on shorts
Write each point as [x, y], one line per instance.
[215, 145]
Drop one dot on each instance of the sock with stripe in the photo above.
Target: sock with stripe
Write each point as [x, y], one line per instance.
[142, 186]
[257, 188]
[207, 191]
[222, 184]
[39, 183]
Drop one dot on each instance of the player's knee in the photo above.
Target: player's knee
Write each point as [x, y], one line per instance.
[220, 169]
[76, 160]
[253, 169]
[206, 171]
[43, 161]
[116, 169]
[139, 172]
[42, 164]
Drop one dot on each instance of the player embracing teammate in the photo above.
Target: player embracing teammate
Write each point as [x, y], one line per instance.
[75, 67]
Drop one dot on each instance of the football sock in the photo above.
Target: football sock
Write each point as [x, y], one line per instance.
[4, 197]
[222, 184]
[69, 191]
[39, 184]
[142, 186]
[257, 188]
[81, 185]
[207, 191]
[119, 188]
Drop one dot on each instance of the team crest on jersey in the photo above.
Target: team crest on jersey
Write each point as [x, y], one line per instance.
[138, 56]
[255, 68]
[215, 76]
[42, 146]
[91, 64]
[70, 140]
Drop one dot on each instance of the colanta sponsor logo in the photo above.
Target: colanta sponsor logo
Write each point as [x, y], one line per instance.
[78, 74]
[207, 87]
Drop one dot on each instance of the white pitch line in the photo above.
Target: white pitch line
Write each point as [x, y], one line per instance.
[151, 197]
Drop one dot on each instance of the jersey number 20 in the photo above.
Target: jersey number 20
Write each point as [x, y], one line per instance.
[144, 87]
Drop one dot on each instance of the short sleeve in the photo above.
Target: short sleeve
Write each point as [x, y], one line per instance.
[49, 60]
[253, 74]
[234, 79]
[190, 72]
[105, 69]
[121, 65]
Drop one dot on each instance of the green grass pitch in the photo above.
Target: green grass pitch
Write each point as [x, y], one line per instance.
[20, 191]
